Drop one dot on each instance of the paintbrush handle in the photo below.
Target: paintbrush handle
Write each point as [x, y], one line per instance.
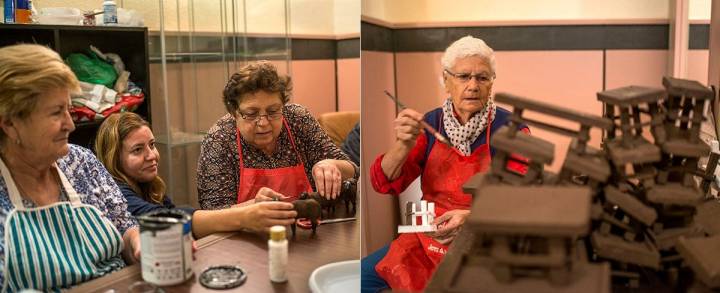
[424, 124]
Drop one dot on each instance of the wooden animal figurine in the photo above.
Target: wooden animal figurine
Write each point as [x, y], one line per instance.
[325, 204]
[309, 209]
[348, 193]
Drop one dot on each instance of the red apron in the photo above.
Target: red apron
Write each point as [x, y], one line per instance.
[289, 181]
[413, 257]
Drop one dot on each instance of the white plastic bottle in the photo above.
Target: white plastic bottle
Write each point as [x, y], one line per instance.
[277, 254]
[110, 12]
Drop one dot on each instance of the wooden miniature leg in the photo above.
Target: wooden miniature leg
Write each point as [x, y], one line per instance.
[559, 276]
[500, 247]
[502, 273]
[557, 249]
[605, 228]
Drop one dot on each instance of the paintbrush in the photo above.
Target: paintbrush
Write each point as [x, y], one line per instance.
[441, 138]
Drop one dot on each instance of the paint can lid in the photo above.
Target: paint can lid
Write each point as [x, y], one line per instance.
[223, 277]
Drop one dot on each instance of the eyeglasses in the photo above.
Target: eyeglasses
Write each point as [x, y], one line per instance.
[481, 78]
[255, 117]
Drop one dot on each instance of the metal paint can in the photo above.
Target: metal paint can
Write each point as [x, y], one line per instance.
[166, 247]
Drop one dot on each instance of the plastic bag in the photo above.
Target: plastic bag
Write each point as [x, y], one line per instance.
[92, 69]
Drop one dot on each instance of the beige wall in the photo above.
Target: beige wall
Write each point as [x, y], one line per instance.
[429, 11]
[379, 212]
[307, 17]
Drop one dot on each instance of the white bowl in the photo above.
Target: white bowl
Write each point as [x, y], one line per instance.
[341, 276]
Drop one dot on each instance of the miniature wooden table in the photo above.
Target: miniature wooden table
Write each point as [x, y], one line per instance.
[333, 243]
[519, 210]
[552, 217]
[463, 271]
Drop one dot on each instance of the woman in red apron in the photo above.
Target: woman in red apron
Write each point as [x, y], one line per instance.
[468, 118]
[267, 149]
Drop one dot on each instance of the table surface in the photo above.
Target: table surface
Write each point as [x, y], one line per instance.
[332, 243]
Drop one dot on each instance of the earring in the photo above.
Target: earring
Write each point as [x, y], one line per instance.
[17, 141]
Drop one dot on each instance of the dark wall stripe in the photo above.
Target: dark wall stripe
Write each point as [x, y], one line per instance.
[309, 49]
[376, 38]
[348, 48]
[209, 49]
[699, 36]
[515, 38]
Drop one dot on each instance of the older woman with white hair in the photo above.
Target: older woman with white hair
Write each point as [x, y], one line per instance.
[64, 220]
[467, 118]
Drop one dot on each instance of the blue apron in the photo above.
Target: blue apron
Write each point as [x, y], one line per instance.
[58, 245]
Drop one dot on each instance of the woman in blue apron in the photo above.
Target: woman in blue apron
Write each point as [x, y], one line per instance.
[64, 220]
[468, 118]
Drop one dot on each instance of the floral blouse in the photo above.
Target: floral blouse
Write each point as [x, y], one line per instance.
[217, 171]
[91, 181]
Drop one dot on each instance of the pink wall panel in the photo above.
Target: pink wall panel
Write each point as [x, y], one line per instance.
[348, 74]
[569, 79]
[379, 212]
[314, 85]
[697, 69]
[418, 80]
[635, 67]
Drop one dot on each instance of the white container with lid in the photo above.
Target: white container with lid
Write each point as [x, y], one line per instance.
[110, 12]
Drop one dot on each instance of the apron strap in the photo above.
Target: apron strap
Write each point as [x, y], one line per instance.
[240, 154]
[292, 141]
[12, 188]
[14, 194]
[73, 196]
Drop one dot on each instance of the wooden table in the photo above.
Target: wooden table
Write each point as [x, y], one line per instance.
[333, 243]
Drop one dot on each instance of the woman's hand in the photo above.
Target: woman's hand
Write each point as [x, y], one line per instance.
[131, 240]
[267, 194]
[261, 216]
[449, 225]
[328, 178]
[407, 126]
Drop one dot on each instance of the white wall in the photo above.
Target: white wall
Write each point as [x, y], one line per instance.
[347, 17]
[307, 17]
[424, 11]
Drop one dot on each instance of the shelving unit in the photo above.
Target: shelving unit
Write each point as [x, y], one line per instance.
[130, 43]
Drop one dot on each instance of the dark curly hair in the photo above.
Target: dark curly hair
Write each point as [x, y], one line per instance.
[254, 77]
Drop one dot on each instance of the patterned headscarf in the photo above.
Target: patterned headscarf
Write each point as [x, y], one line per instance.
[462, 136]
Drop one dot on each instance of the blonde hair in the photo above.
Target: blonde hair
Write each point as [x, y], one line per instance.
[108, 147]
[27, 71]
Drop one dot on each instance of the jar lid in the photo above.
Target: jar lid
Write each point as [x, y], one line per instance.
[223, 277]
[277, 233]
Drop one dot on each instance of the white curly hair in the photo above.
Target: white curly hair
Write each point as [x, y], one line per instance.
[465, 47]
